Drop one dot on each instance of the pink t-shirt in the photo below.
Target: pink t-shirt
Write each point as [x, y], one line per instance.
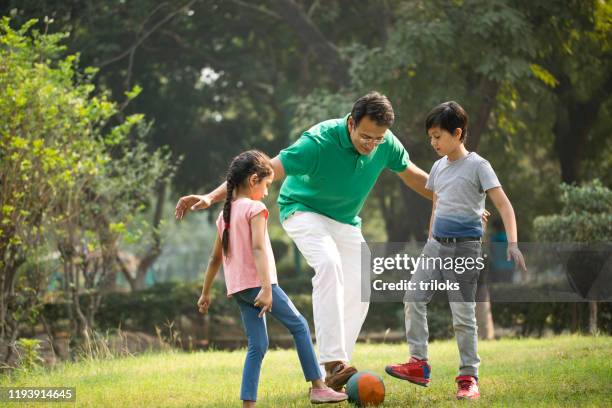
[239, 267]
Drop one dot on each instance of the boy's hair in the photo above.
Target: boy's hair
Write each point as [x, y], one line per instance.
[448, 116]
[376, 106]
[241, 168]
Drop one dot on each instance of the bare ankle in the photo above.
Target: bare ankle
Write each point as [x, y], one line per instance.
[318, 384]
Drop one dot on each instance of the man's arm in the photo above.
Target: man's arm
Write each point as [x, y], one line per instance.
[415, 178]
[196, 202]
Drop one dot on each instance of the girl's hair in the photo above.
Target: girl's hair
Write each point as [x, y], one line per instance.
[448, 116]
[242, 167]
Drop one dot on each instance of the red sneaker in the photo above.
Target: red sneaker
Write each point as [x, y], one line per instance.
[416, 371]
[467, 387]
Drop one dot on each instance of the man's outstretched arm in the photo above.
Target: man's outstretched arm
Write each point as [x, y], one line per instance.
[196, 202]
[415, 178]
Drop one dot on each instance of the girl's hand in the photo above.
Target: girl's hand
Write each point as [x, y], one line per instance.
[204, 303]
[514, 254]
[264, 300]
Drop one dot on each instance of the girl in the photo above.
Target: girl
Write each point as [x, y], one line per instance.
[243, 246]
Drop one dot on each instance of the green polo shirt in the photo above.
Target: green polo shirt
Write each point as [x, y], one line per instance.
[326, 175]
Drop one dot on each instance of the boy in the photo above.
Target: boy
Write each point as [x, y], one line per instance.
[460, 180]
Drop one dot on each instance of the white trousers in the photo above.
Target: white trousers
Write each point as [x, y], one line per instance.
[333, 250]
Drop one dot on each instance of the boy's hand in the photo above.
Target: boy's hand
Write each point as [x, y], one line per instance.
[191, 202]
[264, 300]
[204, 303]
[514, 254]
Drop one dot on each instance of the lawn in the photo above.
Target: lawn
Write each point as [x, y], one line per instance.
[555, 371]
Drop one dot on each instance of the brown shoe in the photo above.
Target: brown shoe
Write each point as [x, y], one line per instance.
[338, 374]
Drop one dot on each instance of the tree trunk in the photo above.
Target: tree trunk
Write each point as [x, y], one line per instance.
[487, 94]
[136, 279]
[593, 318]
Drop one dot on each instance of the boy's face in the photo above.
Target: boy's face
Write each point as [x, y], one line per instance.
[442, 141]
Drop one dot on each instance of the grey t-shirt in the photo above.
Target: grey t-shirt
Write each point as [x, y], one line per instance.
[460, 186]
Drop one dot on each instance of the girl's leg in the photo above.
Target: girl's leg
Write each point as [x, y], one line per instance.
[255, 328]
[285, 312]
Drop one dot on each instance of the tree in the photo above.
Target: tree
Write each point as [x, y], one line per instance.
[67, 176]
[586, 217]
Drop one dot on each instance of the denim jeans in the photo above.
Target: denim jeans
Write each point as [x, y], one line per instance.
[285, 312]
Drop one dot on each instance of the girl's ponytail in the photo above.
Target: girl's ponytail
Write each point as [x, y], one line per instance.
[227, 213]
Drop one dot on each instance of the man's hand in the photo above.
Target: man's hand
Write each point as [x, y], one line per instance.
[204, 303]
[264, 300]
[193, 203]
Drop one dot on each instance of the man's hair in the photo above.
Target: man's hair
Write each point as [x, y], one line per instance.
[375, 106]
[448, 116]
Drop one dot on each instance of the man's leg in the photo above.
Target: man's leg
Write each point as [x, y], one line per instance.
[310, 232]
[348, 240]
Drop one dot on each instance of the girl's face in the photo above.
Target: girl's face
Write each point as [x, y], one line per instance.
[444, 142]
[259, 187]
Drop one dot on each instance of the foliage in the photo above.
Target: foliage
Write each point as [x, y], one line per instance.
[586, 215]
[29, 354]
[67, 173]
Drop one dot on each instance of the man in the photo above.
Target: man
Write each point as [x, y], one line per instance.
[328, 173]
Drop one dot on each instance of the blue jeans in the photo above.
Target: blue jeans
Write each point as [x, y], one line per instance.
[285, 312]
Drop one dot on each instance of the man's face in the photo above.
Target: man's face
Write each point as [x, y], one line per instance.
[367, 135]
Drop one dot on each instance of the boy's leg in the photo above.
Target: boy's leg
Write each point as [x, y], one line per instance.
[257, 335]
[415, 305]
[463, 307]
[466, 332]
[417, 370]
[285, 312]
[349, 242]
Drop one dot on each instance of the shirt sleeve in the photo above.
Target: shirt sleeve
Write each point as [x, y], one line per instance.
[398, 156]
[302, 157]
[432, 177]
[256, 208]
[487, 177]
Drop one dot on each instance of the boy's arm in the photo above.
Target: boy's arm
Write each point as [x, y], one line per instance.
[196, 202]
[214, 263]
[503, 205]
[260, 256]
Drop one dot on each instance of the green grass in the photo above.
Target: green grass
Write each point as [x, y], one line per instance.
[556, 371]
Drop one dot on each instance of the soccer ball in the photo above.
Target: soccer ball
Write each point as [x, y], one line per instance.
[365, 388]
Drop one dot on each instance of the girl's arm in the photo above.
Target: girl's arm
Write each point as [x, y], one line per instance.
[214, 263]
[258, 238]
[501, 202]
[431, 218]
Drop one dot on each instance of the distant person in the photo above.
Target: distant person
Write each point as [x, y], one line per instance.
[460, 182]
[243, 246]
[330, 171]
[500, 268]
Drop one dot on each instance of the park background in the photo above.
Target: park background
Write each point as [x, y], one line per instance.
[111, 110]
